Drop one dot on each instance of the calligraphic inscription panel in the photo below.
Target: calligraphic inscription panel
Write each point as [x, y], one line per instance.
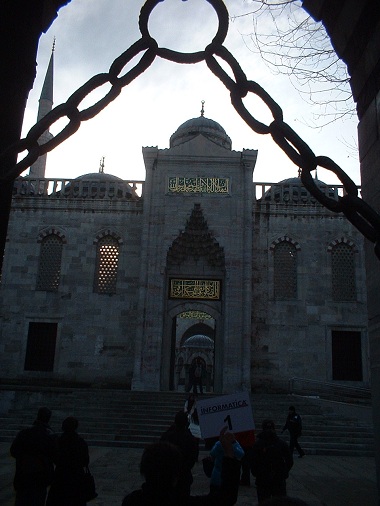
[195, 289]
[220, 185]
[195, 315]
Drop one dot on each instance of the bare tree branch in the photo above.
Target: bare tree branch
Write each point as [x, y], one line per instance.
[291, 43]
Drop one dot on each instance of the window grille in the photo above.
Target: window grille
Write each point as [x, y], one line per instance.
[106, 265]
[343, 272]
[49, 268]
[285, 271]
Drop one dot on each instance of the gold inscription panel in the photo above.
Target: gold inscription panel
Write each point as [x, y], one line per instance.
[195, 315]
[195, 289]
[199, 185]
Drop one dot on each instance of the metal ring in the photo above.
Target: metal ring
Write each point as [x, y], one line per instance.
[221, 34]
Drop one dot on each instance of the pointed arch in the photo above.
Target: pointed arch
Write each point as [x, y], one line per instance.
[196, 241]
[108, 233]
[52, 230]
[285, 238]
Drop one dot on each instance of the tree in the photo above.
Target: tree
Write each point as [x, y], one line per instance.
[291, 43]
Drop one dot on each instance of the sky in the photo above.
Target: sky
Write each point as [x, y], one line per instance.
[90, 34]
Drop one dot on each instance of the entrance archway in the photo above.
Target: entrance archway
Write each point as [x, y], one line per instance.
[192, 330]
[193, 342]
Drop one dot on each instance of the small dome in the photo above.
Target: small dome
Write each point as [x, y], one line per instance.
[99, 177]
[205, 126]
[199, 341]
[292, 189]
[99, 184]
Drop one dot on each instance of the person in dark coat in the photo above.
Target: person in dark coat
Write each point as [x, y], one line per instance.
[271, 462]
[196, 372]
[180, 435]
[71, 457]
[294, 425]
[33, 449]
[246, 440]
[160, 465]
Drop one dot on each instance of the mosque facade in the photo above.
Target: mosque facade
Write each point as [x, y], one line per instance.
[129, 283]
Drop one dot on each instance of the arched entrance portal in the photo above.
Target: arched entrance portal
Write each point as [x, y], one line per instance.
[193, 343]
[192, 330]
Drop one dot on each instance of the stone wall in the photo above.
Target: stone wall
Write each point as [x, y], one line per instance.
[96, 332]
[293, 337]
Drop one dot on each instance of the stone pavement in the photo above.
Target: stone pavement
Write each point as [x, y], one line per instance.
[318, 480]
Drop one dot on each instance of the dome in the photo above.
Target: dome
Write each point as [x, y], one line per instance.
[199, 341]
[99, 185]
[205, 126]
[98, 176]
[292, 189]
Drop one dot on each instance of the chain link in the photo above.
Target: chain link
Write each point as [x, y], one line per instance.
[358, 212]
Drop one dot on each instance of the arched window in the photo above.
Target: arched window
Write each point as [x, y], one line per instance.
[107, 259]
[49, 267]
[285, 270]
[343, 272]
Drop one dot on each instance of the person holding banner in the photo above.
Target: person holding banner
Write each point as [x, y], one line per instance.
[217, 454]
[160, 465]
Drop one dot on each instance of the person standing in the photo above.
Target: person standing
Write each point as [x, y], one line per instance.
[196, 376]
[160, 465]
[217, 454]
[33, 449]
[190, 408]
[294, 425]
[71, 457]
[246, 440]
[180, 435]
[271, 462]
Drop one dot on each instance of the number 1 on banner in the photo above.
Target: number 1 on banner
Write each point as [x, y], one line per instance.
[228, 420]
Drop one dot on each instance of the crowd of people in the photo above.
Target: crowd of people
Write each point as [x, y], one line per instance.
[52, 470]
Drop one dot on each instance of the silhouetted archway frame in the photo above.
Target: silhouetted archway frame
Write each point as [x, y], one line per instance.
[357, 211]
[23, 21]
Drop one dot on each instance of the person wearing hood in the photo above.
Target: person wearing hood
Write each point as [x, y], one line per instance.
[271, 462]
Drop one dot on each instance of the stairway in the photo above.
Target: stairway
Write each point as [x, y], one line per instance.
[125, 418]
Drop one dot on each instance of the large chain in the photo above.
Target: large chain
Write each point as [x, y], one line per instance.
[358, 212]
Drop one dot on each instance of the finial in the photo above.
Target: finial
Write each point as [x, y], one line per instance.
[101, 166]
[53, 48]
[299, 172]
[203, 108]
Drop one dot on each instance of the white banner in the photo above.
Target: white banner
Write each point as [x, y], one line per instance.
[233, 411]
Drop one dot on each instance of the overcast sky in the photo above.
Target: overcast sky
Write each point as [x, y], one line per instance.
[90, 34]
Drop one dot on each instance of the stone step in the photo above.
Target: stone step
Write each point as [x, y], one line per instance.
[133, 419]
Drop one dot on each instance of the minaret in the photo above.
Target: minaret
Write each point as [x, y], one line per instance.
[37, 170]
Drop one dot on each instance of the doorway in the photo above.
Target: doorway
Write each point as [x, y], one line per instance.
[193, 342]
